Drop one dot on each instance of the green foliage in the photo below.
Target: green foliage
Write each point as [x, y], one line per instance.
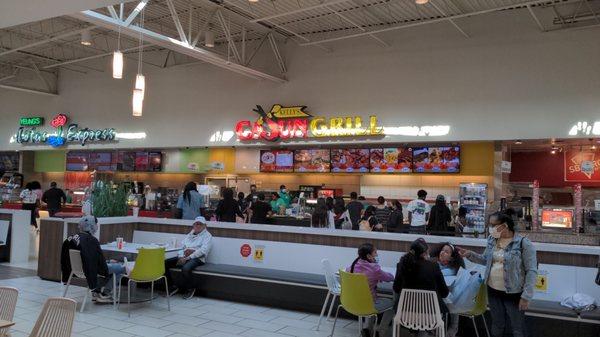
[109, 200]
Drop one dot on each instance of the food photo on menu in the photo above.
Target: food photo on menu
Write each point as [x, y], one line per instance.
[391, 159]
[350, 160]
[276, 161]
[437, 159]
[315, 160]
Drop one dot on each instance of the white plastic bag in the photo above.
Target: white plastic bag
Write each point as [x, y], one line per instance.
[579, 302]
[464, 291]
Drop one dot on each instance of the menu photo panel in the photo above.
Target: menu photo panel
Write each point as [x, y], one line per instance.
[312, 160]
[276, 161]
[391, 160]
[350, 160]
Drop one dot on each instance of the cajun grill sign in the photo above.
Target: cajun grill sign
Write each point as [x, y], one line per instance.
[63, 133]
[283, 123]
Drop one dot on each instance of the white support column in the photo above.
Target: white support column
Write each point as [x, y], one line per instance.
[176, 21]
[230, 43]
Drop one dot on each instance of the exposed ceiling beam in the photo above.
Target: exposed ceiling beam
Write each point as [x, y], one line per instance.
[447, 18]
[348, 20]
[437, 8]
[178, 25]
[535, 18]
[113, 12]
[39, 43]
[29, 90]
[135, 12]
[300, 10]
[93, 57]
[174, 44]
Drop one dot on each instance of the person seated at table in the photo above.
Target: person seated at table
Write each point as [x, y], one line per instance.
[449, 261]
[196, 247]
[416, 271]
[92, 260]
[367, 263]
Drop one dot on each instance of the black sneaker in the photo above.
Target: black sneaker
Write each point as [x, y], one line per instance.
[365, 333]
[189, 294]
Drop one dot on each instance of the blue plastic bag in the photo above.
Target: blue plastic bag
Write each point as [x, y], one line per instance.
[464, 291]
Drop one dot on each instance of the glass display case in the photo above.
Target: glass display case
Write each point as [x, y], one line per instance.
[473, 197]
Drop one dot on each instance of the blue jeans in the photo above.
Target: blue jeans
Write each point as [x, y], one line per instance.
[116, 269]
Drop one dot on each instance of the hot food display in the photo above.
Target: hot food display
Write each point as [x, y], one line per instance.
[276, 161]
[315, 160]
[350, 160]
[436, 159]
[391, 159]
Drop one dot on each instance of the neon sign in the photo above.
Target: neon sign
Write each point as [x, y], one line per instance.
[295, 123]
[31, 121]
[63, 134]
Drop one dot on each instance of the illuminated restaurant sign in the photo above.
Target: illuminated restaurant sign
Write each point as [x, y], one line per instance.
[582, 165]
[295, 123]
[62, 133]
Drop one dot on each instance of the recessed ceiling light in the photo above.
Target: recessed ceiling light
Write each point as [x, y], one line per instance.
[421, 2]
[86, 38]
[518, 142]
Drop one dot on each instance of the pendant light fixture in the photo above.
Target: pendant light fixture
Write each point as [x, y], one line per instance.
[117, 63]
[86, 38]
[421, 2]
[209, 38]
[140, 81]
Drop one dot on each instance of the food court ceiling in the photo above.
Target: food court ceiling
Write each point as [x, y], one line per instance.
[177, 28]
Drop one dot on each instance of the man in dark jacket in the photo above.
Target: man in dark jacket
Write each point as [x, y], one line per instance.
[92, 259]
[54, 198]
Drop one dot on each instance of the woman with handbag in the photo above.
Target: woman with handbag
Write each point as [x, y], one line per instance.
[511, 271]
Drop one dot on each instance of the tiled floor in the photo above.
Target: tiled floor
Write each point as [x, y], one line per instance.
[195, 317]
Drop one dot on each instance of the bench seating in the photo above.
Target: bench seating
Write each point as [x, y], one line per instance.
[537, 308]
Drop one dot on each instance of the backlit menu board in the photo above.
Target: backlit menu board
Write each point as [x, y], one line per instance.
[126, 161]
[77, 161]
[9, 162]
[444, 159]
[350, 160]
[557, 218]
[391, 159]
[101, 161]
[154, 161]
[314, 160]
[276, 161]
[141, 161]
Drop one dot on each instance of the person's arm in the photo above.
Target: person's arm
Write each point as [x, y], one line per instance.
[45, 197]
[238, 211]
[474, 257]
[382, 275]
[63, 197]
[180, 202]
[440, 282]
[204, 248]
[398, 280]
[530, 264]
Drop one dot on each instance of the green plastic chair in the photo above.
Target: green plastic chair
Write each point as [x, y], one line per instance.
[149, 267]
[481, 305]
[356, 299]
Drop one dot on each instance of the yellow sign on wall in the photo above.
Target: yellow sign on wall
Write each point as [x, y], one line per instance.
[541, 282]
[259, 253]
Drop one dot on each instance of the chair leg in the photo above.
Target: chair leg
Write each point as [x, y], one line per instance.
[475, 326]
[375, 327]
[114, 291]
[337, 312]
[487, 331]
[323, 309]
[168, 295]
[151, 291]
[129, 298]
[331, 307]
[67, 285]
[84, 300]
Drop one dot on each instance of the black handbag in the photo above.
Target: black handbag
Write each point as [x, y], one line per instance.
[598, 273]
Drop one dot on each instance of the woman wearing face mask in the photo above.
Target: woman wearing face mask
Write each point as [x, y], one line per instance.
[416, 271]
[449, 261]
[511, 270]
[367, 263]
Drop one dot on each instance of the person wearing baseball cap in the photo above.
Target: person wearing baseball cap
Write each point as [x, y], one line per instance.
[194, 252]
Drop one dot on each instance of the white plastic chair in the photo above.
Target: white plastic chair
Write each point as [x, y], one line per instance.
[333, 288]
[77, 271]
[56, 318]
[8, 302]
[419, 310]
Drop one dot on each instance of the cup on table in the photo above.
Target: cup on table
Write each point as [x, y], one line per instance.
[136, 211]
[120, 243]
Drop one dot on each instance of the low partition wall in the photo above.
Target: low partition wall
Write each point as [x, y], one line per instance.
[567, 268]
[16, 223]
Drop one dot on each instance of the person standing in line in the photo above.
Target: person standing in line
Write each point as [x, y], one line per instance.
[510, 274]
[228, 208]
[259, 210]
[190, 202]
[439, 217]
[54, 199]
[320, 216]
[196, 246]
[340, 214]
[355, 209]
[418, 213]
[243, 205]
[253, 195]
[29, 202]
[382, 212]
[396, 219]
[369, 221]
[460, 221]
